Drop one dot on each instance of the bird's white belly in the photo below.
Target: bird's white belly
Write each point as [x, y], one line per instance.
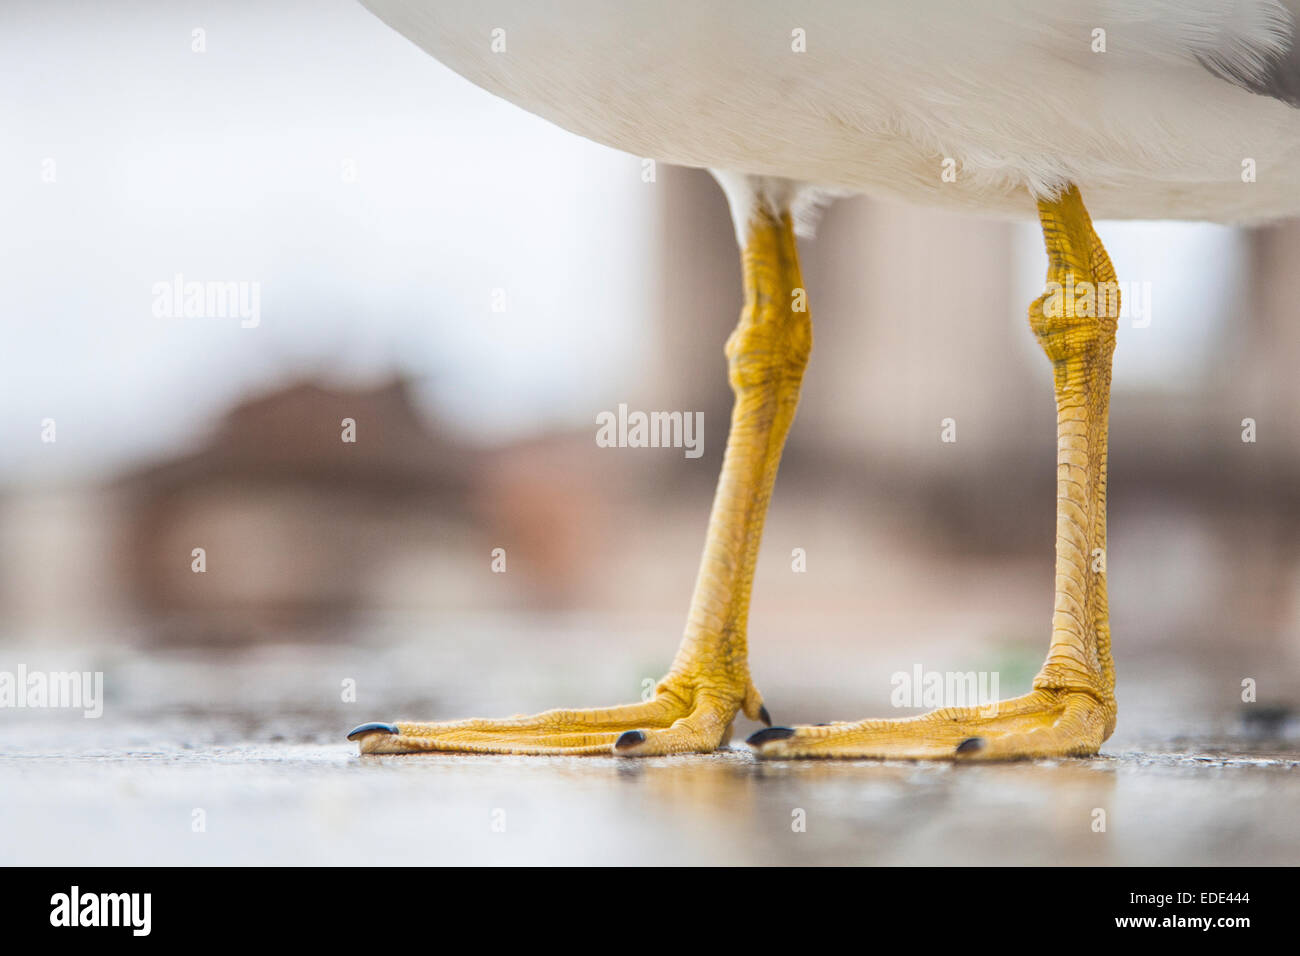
[976, 105]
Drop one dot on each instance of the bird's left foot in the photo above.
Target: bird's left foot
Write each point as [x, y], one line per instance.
[1044, 723]
[1071, 711]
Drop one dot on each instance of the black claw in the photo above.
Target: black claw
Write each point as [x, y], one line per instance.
[629, 738]
[971, 745]
[764, 716]
[372, 728]
[772, 733]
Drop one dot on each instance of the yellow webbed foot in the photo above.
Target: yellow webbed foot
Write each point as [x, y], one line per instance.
[1044, 723]
[681, 718]
[708, 683]
[1071, 710]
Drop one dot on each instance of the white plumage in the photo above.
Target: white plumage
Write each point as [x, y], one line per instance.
[1016, 95]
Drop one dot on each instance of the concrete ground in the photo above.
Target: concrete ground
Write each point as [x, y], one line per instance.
[239, 758]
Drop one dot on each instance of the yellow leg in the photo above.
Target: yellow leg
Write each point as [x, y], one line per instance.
[1071, 709]
[693, 706]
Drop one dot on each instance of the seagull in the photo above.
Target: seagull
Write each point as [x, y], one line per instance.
[1152, 109]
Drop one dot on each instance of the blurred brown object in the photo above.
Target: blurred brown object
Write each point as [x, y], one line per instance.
[302, 531]
[546, 509]
[299, 527]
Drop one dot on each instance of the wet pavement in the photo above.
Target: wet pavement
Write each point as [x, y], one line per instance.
[239, 759]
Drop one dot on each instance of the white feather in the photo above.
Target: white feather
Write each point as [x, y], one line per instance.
[1010, 91]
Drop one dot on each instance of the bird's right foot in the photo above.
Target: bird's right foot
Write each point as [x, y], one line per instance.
[681, 718]
[693, 707]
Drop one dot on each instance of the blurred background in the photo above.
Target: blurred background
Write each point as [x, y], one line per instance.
[472, 287]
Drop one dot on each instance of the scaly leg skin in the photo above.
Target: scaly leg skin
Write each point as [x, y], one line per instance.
[693, 706]
[1071, 709]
